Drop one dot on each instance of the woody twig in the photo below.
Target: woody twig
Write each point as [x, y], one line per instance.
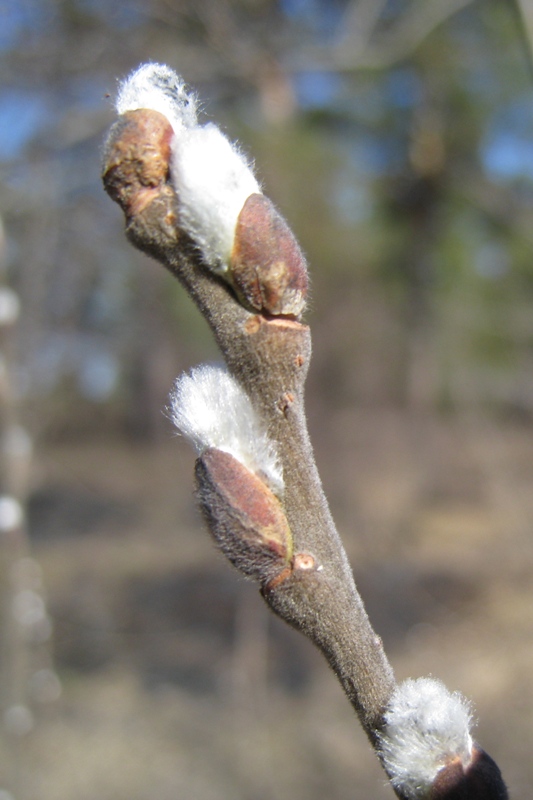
[192, 202]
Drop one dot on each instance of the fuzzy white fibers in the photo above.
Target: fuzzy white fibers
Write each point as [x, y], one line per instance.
[213, 181]
[159, 88]
[212, 410]
[426, 726]
[212, 177]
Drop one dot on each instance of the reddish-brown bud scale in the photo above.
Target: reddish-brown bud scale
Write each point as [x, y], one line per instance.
[136, 159]
[481, 779]
[244, 516]
[267, 266]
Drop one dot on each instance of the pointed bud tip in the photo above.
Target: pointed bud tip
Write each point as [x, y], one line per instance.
[267, 266]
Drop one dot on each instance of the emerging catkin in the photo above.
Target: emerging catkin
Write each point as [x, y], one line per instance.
[212, 178]
[426, 727]
[211, 409]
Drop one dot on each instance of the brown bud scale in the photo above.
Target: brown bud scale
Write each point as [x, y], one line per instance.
[136, 159]
[244, 516]
[267, 266]
[481, 779]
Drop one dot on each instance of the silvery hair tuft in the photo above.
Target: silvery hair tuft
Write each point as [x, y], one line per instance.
[426, 727]
[157, 87]
[211, 409]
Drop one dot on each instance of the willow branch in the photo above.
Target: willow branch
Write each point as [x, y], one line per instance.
[250, 284]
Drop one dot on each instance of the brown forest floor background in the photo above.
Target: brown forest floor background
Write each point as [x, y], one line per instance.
[177, 682]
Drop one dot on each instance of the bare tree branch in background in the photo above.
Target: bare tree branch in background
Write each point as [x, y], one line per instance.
[360, 45]
[192, 202]
[358, 25]
[524, 11]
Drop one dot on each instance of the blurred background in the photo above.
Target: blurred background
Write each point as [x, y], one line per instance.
[396, 137]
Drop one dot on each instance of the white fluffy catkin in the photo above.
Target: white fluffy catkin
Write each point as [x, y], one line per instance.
[213, 181]
[212, 177]
[212, 410]
[426, 726]
[159, 88]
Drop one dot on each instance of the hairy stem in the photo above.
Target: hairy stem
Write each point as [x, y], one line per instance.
[286, 541]
[269, 356]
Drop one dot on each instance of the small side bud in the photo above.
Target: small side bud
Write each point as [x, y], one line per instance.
[244, 517]
[267, 266]
[304, 561]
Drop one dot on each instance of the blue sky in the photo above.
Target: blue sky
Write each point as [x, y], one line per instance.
[507, 148]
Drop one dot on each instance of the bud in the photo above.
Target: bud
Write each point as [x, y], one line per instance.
[426, 728]
[245, 518]
[427, 749]
[237, 231]
[481, 779]
[209, 173]
[267, 266]
[136, 159]
[213, 411]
